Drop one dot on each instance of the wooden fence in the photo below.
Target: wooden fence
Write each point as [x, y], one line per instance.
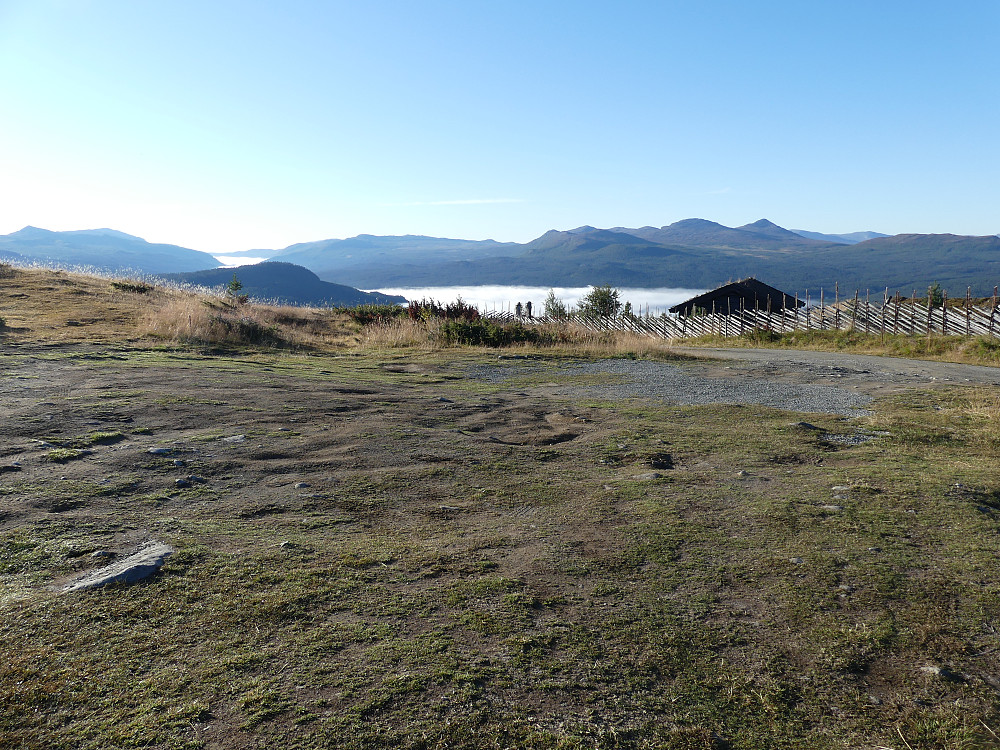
[887, 316]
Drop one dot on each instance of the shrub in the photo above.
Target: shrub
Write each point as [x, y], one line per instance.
[483, 332]
[246, 330]
[761, 336]
[428, 308]
[366, 314]
[135, 287]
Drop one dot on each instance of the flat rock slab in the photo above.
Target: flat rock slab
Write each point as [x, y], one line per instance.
[129, 569]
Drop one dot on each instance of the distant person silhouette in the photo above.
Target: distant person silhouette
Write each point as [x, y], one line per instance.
[527, 308]
[517, 309]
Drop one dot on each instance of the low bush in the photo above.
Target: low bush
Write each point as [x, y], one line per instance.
[428, 308]
[367, 314]
[760, 336]
[483, 332]
[133, 287]
[247, 330]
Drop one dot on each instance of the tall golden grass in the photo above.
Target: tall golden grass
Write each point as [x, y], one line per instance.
[214, 322]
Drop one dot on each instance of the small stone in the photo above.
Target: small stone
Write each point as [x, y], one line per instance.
[130, 569]
[160, 451]
[840, 497]
[742, 473]
[443, 400]
[796, 560]
[649, 476]
[287, 545]
[101, 553]
[284, 429]
[805, 426]
[931, 670]
[840, 488]
[874, 549]
[9, 468]
[846, 587]
[832, 508]
[301, 485]
[182, 483]
[179, 462]
[195, 479]
[234, 439]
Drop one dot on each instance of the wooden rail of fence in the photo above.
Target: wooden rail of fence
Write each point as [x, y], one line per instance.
[889, 316]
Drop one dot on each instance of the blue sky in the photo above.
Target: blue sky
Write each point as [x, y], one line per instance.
[228, 125]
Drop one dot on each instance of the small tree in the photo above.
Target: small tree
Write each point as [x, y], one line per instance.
[555, 307]
[233, 289]
[935, 294]
[602, 301]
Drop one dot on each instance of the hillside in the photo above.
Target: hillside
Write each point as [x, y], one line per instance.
[103, 249]
[286, 283]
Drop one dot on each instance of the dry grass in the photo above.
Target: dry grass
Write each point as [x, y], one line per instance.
[207, 321]
[401, 333]
[58, 307]
[47, 306]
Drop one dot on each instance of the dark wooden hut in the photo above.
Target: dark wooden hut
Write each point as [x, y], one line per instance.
[746, 294]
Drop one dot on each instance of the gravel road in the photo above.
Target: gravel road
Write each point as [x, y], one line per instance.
[801, 381]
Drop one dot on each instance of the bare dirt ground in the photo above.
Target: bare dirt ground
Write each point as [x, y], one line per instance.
[451, 549]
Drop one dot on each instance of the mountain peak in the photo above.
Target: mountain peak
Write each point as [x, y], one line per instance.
[695, 224]
[762, 225]
[31, 232]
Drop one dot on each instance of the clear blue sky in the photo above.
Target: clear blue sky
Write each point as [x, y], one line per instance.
[226, 125]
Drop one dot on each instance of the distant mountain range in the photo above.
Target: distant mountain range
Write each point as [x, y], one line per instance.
[696, 253]
[104, 249]
[693, 253]
[286, 283]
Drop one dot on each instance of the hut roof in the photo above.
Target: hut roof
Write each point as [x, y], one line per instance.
[754, 294]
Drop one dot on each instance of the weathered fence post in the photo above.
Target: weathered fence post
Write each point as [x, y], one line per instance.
[928, 318]
[836, 304]
[968, 311]
[885, 302]
[822, 311]
[854, 311]
[993, 309]
[944, 313]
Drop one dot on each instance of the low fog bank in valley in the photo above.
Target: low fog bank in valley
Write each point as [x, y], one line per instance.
[500, 297]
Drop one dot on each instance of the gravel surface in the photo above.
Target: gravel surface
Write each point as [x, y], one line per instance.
[801, 381]
[684, 384]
